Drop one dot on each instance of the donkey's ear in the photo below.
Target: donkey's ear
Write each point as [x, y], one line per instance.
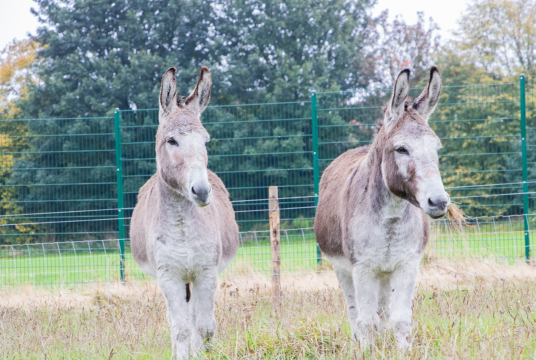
[168, 91]
[200, 97]
[426, 103]
[396, 106]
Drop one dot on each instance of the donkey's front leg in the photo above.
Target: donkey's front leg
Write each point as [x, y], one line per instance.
[174, 291]
[204, 292]
[367, 287]
[403, 285]
[347, 284]
[385, 301]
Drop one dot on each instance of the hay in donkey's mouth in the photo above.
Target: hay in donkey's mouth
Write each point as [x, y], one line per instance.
[456, 216]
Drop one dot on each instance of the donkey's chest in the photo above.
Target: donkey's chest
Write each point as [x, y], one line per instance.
[187, 248]
[388, 245]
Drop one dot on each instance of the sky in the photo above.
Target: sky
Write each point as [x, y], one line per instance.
[16, 20]
[445, 15]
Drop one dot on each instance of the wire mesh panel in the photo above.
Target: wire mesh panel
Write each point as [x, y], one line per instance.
[489, 239]
[251, 148]
[530, 116]
[59, 216]
[479, 127]
[297, 248]
[51, 172]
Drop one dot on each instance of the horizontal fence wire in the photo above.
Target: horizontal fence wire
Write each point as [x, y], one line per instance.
[479, 127]
[251, 148]
[59, 177]
[495, 239]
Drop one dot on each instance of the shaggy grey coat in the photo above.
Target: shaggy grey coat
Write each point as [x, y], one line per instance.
[183, 228]
[371, 220]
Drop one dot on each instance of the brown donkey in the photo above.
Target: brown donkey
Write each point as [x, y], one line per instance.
[371, 220]
[183, 228]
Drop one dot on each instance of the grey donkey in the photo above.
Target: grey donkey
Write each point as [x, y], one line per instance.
[371, 221]
[183, 230]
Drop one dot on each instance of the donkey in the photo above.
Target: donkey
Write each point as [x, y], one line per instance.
[371, 221]
[183, 228]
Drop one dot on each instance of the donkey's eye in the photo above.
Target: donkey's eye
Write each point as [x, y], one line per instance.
[172, 141]
[402, 150]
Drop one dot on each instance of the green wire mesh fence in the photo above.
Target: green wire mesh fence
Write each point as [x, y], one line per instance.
[479, 127]
[497, 239]
[251, 148]
[68, 186]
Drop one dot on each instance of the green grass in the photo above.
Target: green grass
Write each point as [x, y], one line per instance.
[98, 262]
[64, 268]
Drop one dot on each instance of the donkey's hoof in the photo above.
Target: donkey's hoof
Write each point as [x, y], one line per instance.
[403, 345]
[402, 342]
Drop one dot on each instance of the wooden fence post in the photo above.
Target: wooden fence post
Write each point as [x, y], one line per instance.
[275, 238]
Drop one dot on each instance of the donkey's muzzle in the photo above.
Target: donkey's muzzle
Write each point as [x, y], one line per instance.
[438, 205]
[201, 194]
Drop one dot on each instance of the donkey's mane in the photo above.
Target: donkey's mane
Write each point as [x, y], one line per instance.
[379, 123]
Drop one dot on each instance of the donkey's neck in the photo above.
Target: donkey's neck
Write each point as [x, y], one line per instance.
[172, 202]
[384, 204]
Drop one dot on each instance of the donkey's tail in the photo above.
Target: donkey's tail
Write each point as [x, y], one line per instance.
[188, 294]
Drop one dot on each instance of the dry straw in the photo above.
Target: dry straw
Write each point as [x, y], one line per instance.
[456, 216]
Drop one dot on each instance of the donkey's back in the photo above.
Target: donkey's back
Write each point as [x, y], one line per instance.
[333, 203]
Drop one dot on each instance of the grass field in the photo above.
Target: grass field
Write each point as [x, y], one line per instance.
[96, 263]
[478, 322]
[66, 264]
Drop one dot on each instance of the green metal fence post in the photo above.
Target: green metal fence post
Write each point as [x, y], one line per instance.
[316, 170]
[120, 198]
[523, 125]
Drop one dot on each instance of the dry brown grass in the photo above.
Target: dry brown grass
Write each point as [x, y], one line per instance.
[477, 317]
[439, 275]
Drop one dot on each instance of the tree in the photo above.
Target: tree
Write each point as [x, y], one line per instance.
[17, 61]
[457, 68]
[399, 45]
[499, 35]
[280, 51]
[99, 55]
[16, 74]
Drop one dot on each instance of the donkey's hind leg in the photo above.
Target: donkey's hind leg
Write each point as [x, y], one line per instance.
[347, 284]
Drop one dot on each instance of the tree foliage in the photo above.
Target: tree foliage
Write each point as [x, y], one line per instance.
[16, 74]
[17, 62]
[99, 55]
[96, 56]
[402, 45]
[499, 35]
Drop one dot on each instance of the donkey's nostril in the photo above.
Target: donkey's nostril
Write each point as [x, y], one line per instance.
[201, 193]
[438, 203]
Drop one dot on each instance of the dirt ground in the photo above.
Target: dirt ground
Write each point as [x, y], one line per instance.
[431, 277]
